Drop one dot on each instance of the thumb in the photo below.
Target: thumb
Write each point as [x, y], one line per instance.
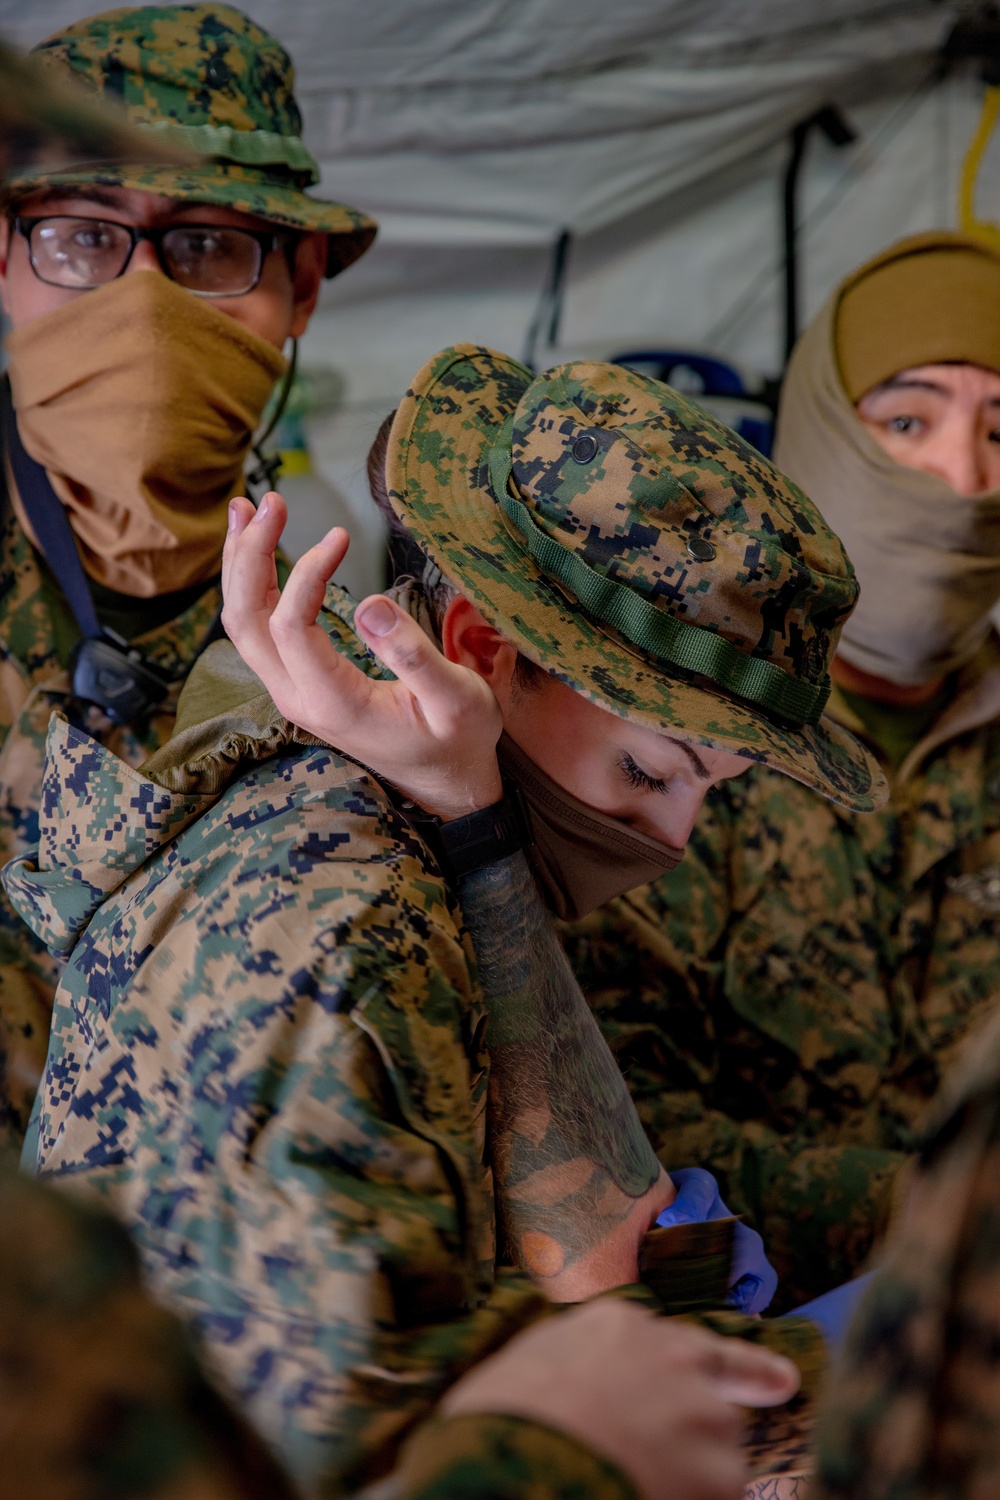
[405, 648]
[697, 1195]
[751, 1375]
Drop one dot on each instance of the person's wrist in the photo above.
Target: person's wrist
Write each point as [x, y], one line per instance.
[470, 841]
[482, 793]
[479, 788]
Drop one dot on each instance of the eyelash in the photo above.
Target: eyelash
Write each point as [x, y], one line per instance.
[640, 779]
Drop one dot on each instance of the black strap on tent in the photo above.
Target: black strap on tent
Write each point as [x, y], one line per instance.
[549, 309]
[107, 671]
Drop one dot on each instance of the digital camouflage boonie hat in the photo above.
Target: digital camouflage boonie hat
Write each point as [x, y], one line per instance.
[638, 550]
[208, 78]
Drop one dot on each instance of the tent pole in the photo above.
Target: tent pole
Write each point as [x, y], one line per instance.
[549, 308]
[790, 187]
[839, 133]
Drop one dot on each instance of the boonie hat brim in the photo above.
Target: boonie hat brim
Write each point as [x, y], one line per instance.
[249, 190]
[437, 472]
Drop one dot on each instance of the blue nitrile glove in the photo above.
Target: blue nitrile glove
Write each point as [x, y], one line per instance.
[834, 1310]
[753, 1280]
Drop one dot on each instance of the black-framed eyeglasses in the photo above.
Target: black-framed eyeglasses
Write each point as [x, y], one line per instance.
[211, 260]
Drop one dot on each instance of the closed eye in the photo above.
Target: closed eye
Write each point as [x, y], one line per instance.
[638, 778]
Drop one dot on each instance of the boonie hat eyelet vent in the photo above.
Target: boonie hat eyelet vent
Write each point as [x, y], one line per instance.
[700, 549]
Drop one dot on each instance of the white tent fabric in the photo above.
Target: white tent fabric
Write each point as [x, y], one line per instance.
[500, 121]
[656, 130]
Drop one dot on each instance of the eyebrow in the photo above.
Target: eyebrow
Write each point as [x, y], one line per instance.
[901, 383]
[904, 383]
[700, 767]
[92, 193]
[82, 194]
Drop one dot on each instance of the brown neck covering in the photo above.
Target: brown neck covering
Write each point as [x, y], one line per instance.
[581, 857]
[927, 559]
[140, 400]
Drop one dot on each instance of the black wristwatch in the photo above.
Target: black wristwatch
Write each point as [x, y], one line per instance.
[462, 845]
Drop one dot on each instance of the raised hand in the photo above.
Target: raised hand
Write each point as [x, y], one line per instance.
[432, 733]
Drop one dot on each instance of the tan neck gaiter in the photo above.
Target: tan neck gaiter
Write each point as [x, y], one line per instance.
[581, 857]
[927, 558]
[140, 400]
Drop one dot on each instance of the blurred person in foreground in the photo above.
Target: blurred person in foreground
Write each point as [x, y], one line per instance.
[913, 1407]
[785, 1003]
[148, 303]
[101, 1392]
[273, 1052]
[47, 121]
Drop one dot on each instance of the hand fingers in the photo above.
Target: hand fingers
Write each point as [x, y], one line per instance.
[241, 513]
[322, 689]
[305, 587]
[250, 587]
[269, 522]
[740, 1372]
[249, 582]
[253, 531]
[697, 1194]
[748, 1374]
[443, 690]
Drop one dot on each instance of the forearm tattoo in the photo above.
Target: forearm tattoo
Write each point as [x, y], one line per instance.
[568, 1152]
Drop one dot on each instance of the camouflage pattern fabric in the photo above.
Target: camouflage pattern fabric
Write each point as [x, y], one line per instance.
[637, 549]
[785, 1003]
[207, 78]
[39, 114]
[504, 1458]
[914, 1407]
[268, 1059]
[37, 631]
[101, 1393]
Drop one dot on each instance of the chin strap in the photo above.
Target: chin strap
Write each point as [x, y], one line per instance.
[269, 465]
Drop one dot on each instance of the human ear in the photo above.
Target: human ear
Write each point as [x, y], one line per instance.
[470, 640]
[307, 277]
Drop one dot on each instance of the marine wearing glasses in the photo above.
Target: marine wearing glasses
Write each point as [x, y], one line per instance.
[211, 260]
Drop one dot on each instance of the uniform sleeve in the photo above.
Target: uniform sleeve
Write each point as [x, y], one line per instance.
[267, 1060]
[28, 977]
[718, 1033]
[101, 1390]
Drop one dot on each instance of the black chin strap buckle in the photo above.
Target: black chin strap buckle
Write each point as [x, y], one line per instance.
[110, 673]
[264, 474]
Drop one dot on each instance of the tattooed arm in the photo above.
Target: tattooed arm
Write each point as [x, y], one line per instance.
[577, 1182]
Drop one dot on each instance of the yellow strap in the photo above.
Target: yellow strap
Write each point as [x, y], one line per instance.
[967, 220]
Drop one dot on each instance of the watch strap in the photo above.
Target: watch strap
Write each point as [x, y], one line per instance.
[462, 845]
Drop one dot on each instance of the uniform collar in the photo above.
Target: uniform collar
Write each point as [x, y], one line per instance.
[226, 718]
[975, 702]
